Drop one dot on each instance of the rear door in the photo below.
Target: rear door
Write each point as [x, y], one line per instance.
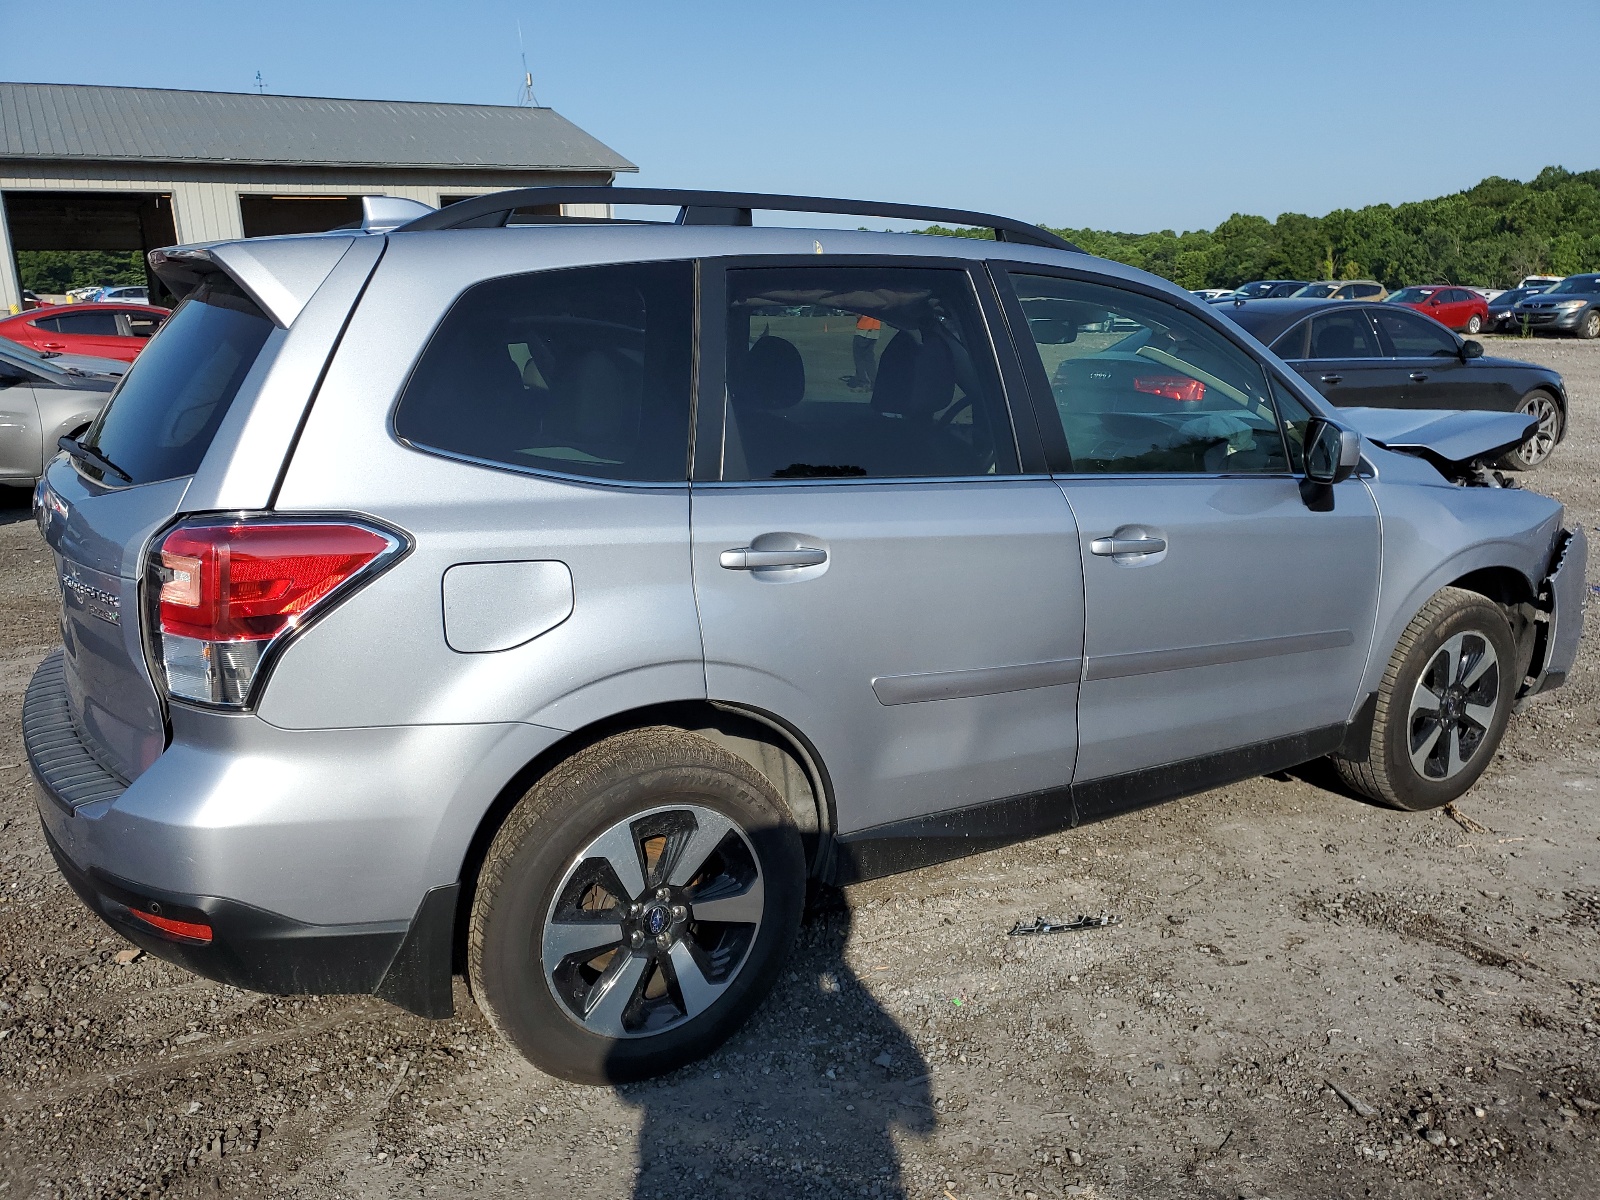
[1228, 621]
[89, 329]
[876, 560]
[154, 433]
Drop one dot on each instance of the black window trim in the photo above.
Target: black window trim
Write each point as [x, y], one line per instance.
[709, 421]
[1049, 421]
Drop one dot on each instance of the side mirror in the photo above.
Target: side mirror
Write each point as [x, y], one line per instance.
[1332, 454]
[1470, 349]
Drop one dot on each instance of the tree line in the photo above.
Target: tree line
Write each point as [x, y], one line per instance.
[1490, 235]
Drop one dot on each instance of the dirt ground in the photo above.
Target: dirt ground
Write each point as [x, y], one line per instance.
[1307, 997]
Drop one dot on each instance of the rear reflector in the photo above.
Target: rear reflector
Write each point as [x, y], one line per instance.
[188, 930]
[228, 591]
[1172, 387]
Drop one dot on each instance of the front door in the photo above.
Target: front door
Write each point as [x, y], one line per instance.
[873, 567]
[21, 443]
[1436, 376]
[1227, 620]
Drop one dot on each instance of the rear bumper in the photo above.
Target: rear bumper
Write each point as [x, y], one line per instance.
[323, 861]
[407, 964]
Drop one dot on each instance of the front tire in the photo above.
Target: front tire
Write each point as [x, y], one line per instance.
[635, 907]
[1589, 327]
[1475, 323]
[1542, 441]
[1442, 706]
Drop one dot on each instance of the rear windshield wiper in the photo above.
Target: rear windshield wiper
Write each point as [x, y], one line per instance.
[79, 451]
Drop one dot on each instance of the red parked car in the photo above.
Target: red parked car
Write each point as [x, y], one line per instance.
[103, 330]
[1458, 308]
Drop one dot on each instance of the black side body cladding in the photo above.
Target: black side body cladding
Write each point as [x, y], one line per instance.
[923, 841]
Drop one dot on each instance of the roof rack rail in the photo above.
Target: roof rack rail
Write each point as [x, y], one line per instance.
[712, 208]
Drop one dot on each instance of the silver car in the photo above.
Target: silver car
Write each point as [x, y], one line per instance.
[43, 399]
[548, 602]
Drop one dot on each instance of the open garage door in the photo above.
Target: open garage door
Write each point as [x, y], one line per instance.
[98, 220]
[269, 216]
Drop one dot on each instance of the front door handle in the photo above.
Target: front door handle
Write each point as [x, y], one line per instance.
[1108, 546]
[1332, 378]
[1419, 377]
[746, 558]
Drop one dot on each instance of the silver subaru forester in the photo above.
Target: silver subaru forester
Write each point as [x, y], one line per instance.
[549, 601]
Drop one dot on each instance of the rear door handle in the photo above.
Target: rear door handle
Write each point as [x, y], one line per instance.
[1332, 378]
[747, 559]
[1108, 546]
[1419, 377]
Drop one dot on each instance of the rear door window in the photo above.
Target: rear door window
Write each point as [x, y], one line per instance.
[578, 372]
[1292, 345]
[160, 421]
[95, 322]
[861, 372]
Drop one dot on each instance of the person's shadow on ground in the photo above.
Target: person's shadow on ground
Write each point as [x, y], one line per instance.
[805, 1100]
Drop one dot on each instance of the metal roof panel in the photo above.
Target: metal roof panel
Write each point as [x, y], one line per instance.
[59, 120]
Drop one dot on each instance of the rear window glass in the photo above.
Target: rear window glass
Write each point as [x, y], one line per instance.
[162, 417]
[582, 372]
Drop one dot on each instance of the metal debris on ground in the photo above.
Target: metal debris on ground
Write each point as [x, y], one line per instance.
[1040, 925]
[1357, 1105]
[1466, 822]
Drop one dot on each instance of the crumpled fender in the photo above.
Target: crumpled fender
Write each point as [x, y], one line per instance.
[1441, 435]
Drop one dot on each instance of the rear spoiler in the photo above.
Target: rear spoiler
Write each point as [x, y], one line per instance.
[280, 273]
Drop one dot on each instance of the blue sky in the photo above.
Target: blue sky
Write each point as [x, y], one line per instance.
[1130, 116]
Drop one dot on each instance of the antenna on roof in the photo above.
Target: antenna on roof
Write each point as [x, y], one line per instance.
[525, 98]
[261, 85]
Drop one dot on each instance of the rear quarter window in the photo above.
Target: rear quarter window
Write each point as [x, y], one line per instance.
[160, 421]
[583, 371]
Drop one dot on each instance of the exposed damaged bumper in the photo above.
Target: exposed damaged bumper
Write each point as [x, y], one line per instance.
[1564, 591]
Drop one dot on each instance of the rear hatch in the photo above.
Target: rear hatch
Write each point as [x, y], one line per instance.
[99, 507]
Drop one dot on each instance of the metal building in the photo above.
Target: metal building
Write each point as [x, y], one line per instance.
[112, 168]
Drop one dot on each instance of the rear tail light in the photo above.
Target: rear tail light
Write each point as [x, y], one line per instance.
[228, 593]
[1172, 387]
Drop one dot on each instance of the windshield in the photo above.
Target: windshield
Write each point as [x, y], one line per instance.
[159, 422]
[1508, 298]
[1412, 295]
[1260, 288]
[1577, 283]
[1317, 291]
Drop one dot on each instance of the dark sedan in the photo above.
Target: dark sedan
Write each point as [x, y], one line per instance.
[1572, 306]
[1502, 309]
[1384, 356]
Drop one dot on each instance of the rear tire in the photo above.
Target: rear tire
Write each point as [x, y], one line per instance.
[1475, 323]
[1442, 706]
[635, 907]
[1542, 442]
